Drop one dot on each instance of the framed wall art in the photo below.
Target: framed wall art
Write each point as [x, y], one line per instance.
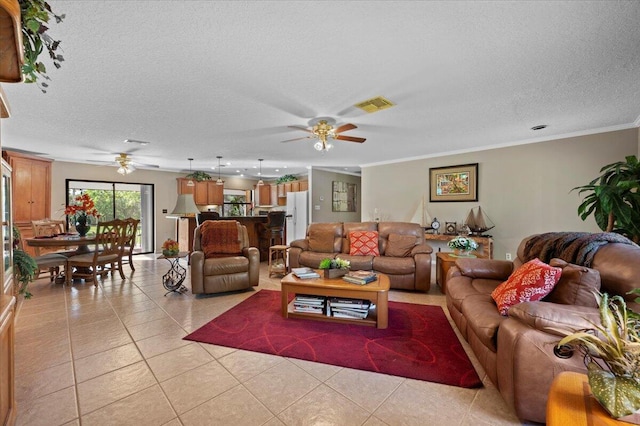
[453, 183]
[344, 197]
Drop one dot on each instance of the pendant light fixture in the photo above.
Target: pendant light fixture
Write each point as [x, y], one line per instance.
[260, 182]
[219, 181]
[190, 181]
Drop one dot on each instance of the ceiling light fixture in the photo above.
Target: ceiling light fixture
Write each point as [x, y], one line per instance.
[260, 182]
[125, 165]
[190, 181]
[219, 181]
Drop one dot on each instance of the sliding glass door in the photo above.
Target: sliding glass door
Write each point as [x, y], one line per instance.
[121, 201]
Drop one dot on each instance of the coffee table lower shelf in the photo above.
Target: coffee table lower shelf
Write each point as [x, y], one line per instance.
[370, 320]
[377, 292]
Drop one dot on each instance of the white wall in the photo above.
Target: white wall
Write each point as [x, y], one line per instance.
[524, 189]
[321, 193]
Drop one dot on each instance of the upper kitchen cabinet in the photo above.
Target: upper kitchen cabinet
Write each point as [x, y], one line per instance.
[31, 188]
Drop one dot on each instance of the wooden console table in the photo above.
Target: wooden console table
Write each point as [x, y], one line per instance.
[485, 242]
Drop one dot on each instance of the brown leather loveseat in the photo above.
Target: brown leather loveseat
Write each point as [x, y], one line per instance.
[404, 255]
[517, 351]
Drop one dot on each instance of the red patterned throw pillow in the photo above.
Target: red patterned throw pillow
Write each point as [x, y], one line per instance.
[363, 243]
[530, 282]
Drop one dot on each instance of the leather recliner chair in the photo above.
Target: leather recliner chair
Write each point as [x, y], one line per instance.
[223, 272]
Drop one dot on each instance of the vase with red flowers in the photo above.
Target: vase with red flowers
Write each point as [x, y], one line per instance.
[81, 212]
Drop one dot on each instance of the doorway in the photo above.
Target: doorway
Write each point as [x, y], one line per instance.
[120, 200]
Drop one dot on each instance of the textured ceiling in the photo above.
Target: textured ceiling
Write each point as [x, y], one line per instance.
[200, 79]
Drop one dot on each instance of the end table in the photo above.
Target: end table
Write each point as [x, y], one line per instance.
[173, 279]
[444, 262]
[278, 260]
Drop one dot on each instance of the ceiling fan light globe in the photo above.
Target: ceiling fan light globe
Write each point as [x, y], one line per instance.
[122, 170]
[219, 182]
[318, 146]
[260, 182]
[329, 146]
[190, 183]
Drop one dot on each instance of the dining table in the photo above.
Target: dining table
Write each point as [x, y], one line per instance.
[64, 241]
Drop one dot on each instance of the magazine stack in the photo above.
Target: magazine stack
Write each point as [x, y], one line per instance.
[309, 304]
[305, 273]
[348, 308]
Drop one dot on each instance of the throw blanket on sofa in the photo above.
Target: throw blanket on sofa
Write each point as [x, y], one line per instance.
[574, 247]
[220, 237]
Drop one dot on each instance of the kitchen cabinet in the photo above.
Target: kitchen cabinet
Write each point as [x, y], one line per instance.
[31, 188]
[205, 192]
[263, 194]
[215, 193]
[304, 185]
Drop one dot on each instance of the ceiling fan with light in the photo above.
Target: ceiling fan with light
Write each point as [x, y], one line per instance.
[127, 165]
[322, 129]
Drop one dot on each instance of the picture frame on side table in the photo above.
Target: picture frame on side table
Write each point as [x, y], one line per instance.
[453, 183]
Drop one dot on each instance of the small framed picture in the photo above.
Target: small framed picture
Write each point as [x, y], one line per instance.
[453, 183]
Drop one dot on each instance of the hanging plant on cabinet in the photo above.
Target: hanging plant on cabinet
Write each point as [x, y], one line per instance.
[36, 14]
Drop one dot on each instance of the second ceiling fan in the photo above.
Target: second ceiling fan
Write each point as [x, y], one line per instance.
[322, 130]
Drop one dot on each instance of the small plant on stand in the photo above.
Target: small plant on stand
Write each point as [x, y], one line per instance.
[26, 269]
[170, 247]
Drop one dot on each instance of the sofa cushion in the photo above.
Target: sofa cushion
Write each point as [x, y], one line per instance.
[530, 282]
[400, 245]
[394, 265]
[484, 319]
[364, 243]
[320, 240]
[312, 259]
[577, 285]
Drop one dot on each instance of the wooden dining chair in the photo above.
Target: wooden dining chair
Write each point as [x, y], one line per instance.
[110, 239]
[131, 230]
[49, 259]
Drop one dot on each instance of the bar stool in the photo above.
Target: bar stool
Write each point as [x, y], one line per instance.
[278, 260]
[272, 232]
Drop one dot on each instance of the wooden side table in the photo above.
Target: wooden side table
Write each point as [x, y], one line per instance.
[444, 262]
[485, 242]
[278, 260]
[571, 403]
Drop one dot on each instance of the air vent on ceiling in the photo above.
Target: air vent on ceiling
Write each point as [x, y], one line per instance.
[375, 104]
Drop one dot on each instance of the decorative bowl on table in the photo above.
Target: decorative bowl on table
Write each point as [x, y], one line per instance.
[170, 252]
[170, 248]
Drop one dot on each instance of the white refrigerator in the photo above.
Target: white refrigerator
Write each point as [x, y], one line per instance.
[297, 217]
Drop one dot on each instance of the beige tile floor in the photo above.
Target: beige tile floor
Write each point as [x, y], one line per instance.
[114, 355]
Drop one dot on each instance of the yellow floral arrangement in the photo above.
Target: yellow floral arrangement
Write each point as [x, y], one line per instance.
[170, 247]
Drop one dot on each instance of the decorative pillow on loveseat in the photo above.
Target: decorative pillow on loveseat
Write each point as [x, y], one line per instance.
[530, 282]
[400, 245]
[577, 285]
[363, 243]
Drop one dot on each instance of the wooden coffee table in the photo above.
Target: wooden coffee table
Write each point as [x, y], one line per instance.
[377, 292]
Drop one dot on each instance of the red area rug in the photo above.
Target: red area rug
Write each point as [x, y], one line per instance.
[419, 343]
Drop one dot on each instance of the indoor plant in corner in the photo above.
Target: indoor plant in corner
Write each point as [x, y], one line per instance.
[614, 198]
[25, 266]
[334, 268]
[611, 352]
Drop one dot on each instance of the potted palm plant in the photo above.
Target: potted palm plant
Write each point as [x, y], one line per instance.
[614, 198]
[611, 353]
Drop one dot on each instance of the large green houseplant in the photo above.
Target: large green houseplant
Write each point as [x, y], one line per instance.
[25, 267]
[614, 198]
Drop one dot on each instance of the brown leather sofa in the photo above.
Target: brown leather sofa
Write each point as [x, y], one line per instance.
[223, 273]
[408, 267]
[517, 351]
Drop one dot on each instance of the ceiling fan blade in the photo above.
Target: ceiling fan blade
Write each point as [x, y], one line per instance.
[350, 138]
[155, 166]
[345, 127]
[300, 128]
[296, 139]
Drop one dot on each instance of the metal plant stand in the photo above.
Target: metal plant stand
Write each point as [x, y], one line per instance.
[173, 279]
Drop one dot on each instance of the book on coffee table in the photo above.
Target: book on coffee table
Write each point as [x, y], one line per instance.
[305, 273]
